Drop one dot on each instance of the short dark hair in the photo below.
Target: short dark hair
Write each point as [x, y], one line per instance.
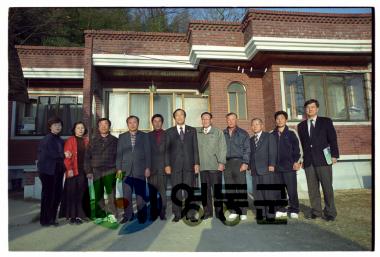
[310, 101]
[179, 109]
[261, 121]
[52, 120]
[133, 117]
[102, 119]
[157, 115]
[206, 113]
[281, 113]
[231, 113]
[77, 123]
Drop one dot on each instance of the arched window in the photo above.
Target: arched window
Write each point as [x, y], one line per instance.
[237, 102]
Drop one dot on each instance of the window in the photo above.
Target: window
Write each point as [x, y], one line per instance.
[31, 118]
[120, 104]
[341, 97]
[237, 100]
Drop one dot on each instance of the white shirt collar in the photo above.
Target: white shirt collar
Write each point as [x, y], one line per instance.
[259, 134]
[207, 130]
[183, 128]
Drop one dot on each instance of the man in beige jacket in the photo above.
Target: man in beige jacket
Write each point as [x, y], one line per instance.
[212, 154]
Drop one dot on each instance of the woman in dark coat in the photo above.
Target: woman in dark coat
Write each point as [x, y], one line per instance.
[50, 167]
[76, 181]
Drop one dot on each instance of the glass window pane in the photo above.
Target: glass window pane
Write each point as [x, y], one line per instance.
[194, 107]
[242, 106]
[355, 97]
[68, 111]
[313, 85]
[236, 87]
[232, 99]
[336, 97]
[118, 112]
[294, 95]
[140, 108]
[45, 109]
[163, 104]
[178, 101]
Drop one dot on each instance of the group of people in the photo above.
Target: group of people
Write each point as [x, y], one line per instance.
[183, 152]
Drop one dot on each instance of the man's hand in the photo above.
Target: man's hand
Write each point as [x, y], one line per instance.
[168, 170]
[271, 168]
[334, 160]
[221, 167]
[147, 172]
[296, 166]
[196, 168]
[68, 154]
[243, 167]
[70, 173]
[90, 176]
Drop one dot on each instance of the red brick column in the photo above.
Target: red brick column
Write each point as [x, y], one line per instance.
[88, 83]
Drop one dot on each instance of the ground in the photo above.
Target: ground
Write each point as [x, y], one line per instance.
[352, 231]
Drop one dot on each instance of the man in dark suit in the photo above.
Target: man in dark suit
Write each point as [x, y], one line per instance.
[158, 177]
[316, 134]
[181, 158]
[133, 158]
[262, 164]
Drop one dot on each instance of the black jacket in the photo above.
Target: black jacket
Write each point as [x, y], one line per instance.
[288, 149]
[181, 155]
[238, 144]
[324, 136]
[50, 154]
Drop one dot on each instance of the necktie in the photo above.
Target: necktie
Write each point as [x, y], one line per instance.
[256, 139]
[181, 134]
[312, 128]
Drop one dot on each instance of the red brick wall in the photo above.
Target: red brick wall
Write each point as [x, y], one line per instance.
[215, 33]
[50, 57]
[218, 84]
[22, 152]
[28, 178]
[307, 25]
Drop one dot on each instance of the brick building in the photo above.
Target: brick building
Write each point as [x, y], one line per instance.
[270, 61]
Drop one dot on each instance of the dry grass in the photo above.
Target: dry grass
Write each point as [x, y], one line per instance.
[354, 220]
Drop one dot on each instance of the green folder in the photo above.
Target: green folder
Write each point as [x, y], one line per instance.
[327, 154]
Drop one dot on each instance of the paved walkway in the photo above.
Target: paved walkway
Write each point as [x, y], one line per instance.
[25, 234]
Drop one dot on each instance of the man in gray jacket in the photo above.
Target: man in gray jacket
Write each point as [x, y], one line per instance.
[133, 158]
[212, 155]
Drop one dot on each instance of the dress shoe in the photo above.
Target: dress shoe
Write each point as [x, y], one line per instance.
[176, 219]
[78, 221]
[72, 221]
[329, 218]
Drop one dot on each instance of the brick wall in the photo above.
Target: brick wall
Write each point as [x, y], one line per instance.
[50, 57]
[306, 25]
[215, 33]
